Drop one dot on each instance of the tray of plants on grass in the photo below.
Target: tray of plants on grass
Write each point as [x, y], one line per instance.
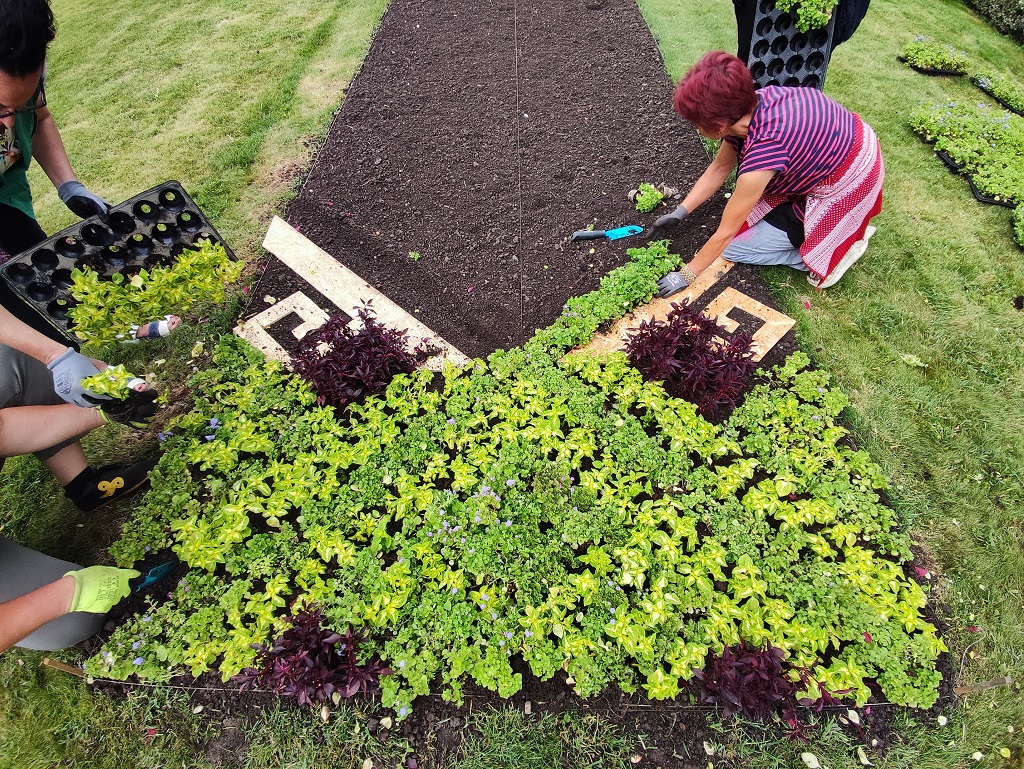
[982, 143]
[653, 520]
[933, 57]
[154, 254]
[1003, 90]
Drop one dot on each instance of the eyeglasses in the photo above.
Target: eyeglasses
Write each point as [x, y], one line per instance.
[39, 99]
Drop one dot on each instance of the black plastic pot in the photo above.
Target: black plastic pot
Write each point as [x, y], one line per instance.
[146, 211]
[61, 278]
[69, 247]
[40, 292]
[45, 260]
[122, 223]
[97, 235]
[165, 234]
[171, 200]
[188, 221]
[21, 273]
[140, 245]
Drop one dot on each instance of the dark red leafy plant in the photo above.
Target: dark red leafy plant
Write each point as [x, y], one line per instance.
[757, 684]
[694, 357]
[345, 365]
[312, 663]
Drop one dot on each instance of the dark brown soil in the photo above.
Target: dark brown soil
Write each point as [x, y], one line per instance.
[480, 138]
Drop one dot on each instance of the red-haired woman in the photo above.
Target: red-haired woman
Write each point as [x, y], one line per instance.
[809, 174]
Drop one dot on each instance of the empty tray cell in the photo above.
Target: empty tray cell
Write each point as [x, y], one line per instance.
[775, 67]
[779, 44]
[767, 7]
[799, 42]
[794, 64]
[93, 262]
[146, 211]
[812, 81]
[115, 256]
[815, 61]
[165, 234]
[21, 273]
[764, 27]
[791, 82]
[38, 291]
[139, 245]
[58, 308]
[760, 49]
[61, 278]
[122, 223]
[784, 24]
[45, 260]
[818, 38]
[171, 201]
[757, 69]
[189, 221]
[97, 235]
[69, 247]
[158, 260]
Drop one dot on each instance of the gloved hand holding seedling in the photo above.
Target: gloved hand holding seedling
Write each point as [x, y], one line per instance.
[121, 396]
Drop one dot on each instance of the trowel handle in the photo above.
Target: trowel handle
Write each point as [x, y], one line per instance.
[587, 235]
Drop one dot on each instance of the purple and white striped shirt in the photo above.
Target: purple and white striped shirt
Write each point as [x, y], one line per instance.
[799, 132]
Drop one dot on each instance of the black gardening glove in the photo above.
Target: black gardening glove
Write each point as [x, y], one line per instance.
[671, 220]
[135, 410]
[82, 202]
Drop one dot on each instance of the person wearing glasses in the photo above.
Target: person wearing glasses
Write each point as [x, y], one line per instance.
[47, 603]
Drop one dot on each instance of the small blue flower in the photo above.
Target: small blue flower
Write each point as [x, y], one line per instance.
[402, 712]
[451, 421]
[210, 437]
[510, 482]
[136, 645]
[147, 618]
[528, 634]
[214, 423]
[164, 436]
[401, 663]
[138, 661]
[494, 615]
[508, 523]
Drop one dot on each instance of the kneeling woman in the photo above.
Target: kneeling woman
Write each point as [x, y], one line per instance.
[809, 174]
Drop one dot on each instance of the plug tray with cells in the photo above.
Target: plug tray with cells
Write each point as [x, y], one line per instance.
[149, 230]
[780, 54]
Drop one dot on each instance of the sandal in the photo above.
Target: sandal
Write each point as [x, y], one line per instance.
[157, 329]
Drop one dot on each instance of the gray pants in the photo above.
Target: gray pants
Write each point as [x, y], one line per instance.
[764, 244]
[22, 571]
[24, 381]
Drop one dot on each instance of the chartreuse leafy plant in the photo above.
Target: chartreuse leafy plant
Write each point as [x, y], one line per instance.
[554, 509]
[1005, 90]
[107, 309]
[647, 197]
[810, 14]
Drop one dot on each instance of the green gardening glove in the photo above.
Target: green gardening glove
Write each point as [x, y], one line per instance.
[98, 588]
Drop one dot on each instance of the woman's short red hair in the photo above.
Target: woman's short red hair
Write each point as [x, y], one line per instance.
[716, 92]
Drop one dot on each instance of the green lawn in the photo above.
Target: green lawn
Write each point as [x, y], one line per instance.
[222, 96]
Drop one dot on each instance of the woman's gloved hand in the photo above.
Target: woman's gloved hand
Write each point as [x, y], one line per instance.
[82, 202]
[68, 371]
[134, 411]
[99, 588]
[672, 219]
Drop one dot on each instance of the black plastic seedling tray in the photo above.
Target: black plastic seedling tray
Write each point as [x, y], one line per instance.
[146, 231]
[780, 54]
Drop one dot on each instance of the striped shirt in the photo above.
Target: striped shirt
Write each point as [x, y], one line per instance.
[799, 132]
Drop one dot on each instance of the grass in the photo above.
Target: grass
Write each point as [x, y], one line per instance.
[229, 99]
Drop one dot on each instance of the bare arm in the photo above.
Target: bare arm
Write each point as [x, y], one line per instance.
[713, 178]
[22, 616]
[48, 149]
[749, 188]
[24, 429]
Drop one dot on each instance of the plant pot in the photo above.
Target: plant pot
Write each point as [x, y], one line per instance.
[146, 211]
[38, 291]
[171, 201]
[165, 234]
[139, 245]
[115, 257]
[45, 260]
[61, 278]
[20, 273]
[188, 221]
[97, 235]
[58, 309]
[122, 223]
[69, 247]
